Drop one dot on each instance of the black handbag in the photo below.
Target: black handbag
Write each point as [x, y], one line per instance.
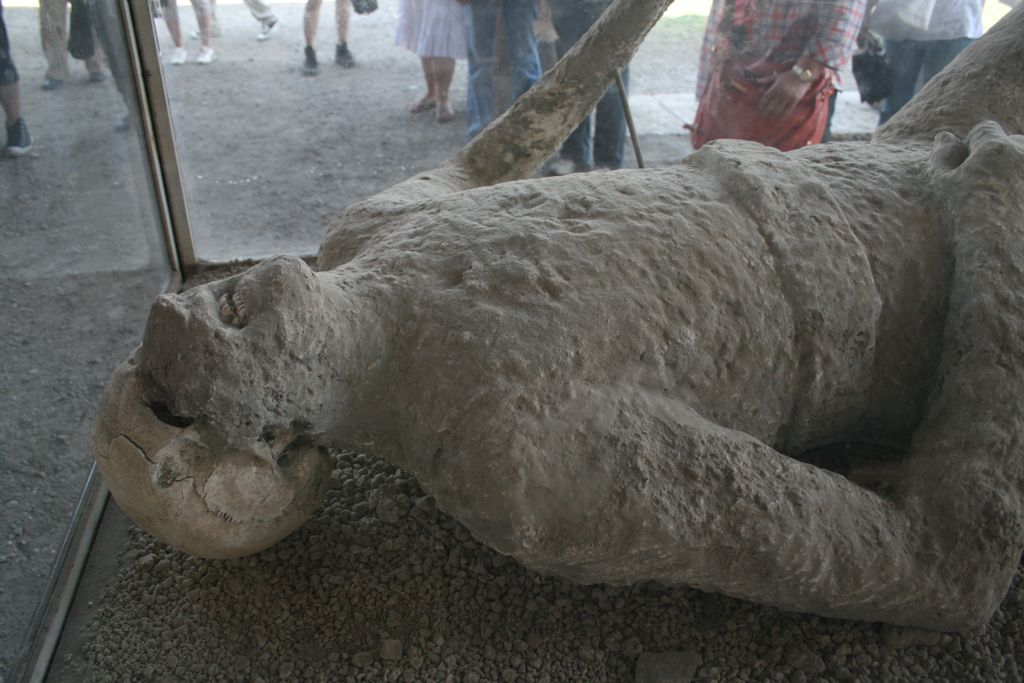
[871, 69]
[364, 6]
[80, 40]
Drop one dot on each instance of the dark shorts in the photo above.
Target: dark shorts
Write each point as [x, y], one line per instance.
[8, 74]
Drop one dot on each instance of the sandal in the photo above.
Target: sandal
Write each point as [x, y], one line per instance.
[444, 113]
[420, 106]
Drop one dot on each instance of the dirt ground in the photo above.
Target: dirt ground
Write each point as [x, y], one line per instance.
[302, 148]
[268, 155]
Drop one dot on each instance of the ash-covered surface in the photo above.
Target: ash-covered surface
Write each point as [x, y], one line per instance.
[381, 586]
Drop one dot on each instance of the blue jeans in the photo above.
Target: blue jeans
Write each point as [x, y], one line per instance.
[914, 61]
[572, 19]
[523, 57]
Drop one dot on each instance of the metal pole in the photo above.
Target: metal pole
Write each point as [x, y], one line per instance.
[624, 98]
[48, 622]
[155, 115]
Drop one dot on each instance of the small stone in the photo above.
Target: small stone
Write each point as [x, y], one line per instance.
[806, 661]
[631, 647]
[362, 659]
[667, 667]
[391, 650]
[901, 637]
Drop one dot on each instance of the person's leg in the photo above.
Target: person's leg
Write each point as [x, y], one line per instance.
[18, 141]
[310, 21]
[522, 44]
[107, 25]
[831, 114]
[571, 22]
[262, 13]
[10, 100]
[94, 65]
[482, 16]
[444, 70]
[173, 23]
[53, 33]
[939, 53]
[212, 4]
[342, 16]
[428, 101]
[610, 127]
[202, 10]
[905, 59]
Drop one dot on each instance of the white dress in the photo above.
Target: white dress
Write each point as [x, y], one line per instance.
[432, 28]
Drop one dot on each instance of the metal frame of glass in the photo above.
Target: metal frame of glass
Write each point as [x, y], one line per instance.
[44, 633]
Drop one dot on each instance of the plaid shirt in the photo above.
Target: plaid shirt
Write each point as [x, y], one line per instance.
[783, 31]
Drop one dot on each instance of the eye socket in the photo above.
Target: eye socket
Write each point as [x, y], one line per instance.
[163, 413]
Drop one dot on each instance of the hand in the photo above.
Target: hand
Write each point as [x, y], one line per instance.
[783, 95]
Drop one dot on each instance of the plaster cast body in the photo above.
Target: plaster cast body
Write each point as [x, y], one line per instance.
[599, 374]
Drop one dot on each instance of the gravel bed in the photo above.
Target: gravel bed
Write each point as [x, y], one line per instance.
[382, 586]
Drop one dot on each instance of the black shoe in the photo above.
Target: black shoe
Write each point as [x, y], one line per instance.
[342, 57]
[52, 84]
[18, 141]
[97, 77]
[310, 68]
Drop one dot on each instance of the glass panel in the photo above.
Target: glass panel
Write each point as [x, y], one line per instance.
[269, 155]
[82, 257]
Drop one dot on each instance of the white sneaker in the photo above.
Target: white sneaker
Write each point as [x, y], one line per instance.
[205, 56]
[179, 56]
[267, 29]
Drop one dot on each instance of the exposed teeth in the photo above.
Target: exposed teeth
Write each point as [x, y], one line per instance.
[232, 310]
[243, 311]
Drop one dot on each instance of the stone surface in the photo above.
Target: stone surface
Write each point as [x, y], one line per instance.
[610, 377]
[342, 578]
[900, 638]
[667, 667]
[391, 649]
